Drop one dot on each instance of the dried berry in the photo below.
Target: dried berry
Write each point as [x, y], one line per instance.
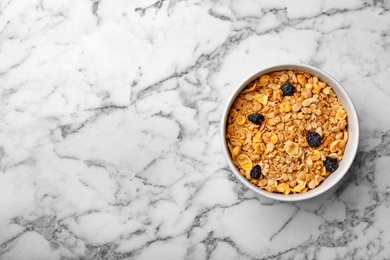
[256, 172]
[256, 118]
[288, 89]
[313, 138]
[331, 164]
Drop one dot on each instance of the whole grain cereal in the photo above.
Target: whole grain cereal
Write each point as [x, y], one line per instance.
[286, 132]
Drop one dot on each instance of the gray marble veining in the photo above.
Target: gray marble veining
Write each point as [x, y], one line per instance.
[109, 129]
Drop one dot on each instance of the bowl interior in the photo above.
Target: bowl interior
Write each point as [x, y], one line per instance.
[350, 149]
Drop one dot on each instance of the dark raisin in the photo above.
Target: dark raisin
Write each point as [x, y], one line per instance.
[331, 164]
[288, 89]
[256, 172]
[313, 138]
[256, 118]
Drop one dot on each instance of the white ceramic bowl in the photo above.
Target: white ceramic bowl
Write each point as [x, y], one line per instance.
[350, 149]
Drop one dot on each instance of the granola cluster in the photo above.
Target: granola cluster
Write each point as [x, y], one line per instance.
[284, 130]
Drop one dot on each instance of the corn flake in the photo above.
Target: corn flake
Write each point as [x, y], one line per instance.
[244, 161]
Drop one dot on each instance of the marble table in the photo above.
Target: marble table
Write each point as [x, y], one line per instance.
[109, 129]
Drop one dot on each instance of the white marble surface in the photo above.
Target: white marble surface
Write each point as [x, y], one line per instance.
[109, 119]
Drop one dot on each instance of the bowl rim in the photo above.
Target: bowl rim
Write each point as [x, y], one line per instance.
[352, 143]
